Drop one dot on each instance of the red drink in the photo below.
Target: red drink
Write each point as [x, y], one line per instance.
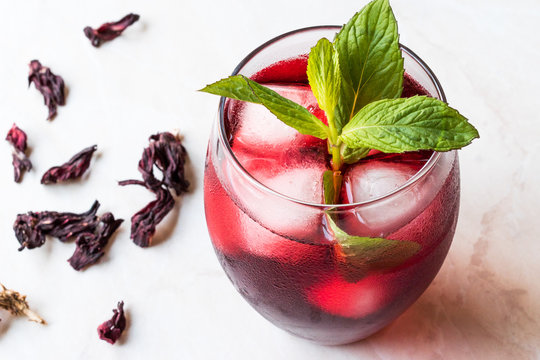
[263, 201]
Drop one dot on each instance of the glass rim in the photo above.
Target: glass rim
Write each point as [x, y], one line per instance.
[231, 157]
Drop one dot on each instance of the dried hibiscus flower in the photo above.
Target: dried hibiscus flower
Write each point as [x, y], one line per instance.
[17, 138]
[144, 222]
[32, 227]
[51, 86]
[73, 169]
[168, 155]
[92, 233]
[109, 31]
[90, 246]
[112, 329]
[16, 304]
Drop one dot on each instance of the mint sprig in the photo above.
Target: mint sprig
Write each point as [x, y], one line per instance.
[357, 80]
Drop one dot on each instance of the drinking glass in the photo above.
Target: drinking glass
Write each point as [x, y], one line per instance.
[276, 249]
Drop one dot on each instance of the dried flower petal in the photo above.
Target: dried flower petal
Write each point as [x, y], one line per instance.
[90, 246]
[51, 86]
[112, 329]
[109, 31]
[144, 222]
[17, 138]
[73, 169]
[31, 228]
[16, 304]
[20, 163]
[92, 233]
[168, 155]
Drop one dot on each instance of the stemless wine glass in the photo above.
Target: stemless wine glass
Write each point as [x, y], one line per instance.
[276, 249]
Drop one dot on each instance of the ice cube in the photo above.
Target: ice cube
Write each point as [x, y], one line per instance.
[260, 241]
[297, 178]
[303, 184]
[235, 232]
[373, 179]
[259, 130]
[288, 218]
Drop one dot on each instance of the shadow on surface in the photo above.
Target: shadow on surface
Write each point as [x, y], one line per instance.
[468, 312]
[5, 322]
[165, 229]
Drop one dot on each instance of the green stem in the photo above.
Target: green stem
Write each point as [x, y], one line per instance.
[337, 162]
[334, 144]
[334, 148]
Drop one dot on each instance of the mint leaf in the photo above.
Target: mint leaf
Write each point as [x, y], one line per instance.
[234, 87]
[367, 254]
[242, 88]
[289, 112]
[325, 80]
[350, 155]
[410, 124]
[369, 57]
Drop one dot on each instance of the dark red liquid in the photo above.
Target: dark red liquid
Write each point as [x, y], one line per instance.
[295, 278]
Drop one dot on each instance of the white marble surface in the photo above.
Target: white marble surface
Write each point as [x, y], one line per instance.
[485, 302]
